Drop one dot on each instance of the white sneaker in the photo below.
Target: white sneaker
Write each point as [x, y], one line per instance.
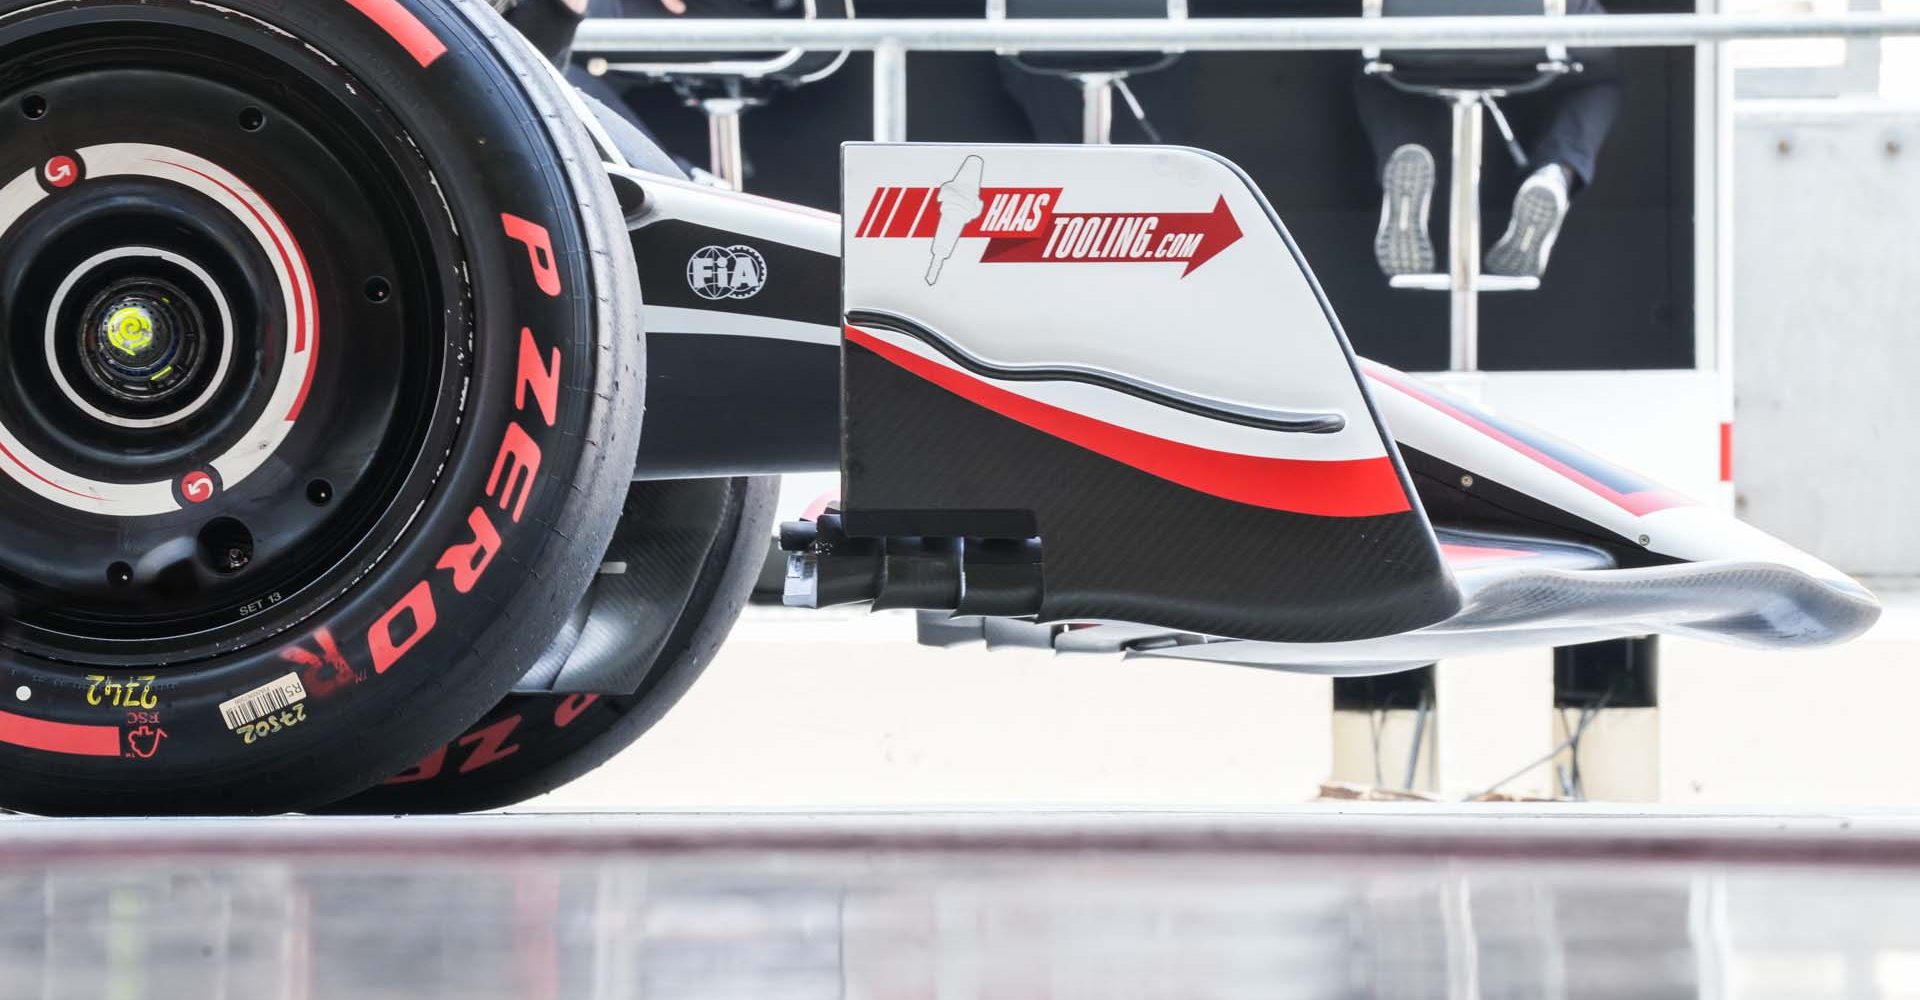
[1538, 211]
[1401, 244]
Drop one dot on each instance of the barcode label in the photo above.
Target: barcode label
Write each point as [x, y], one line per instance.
[263, 700]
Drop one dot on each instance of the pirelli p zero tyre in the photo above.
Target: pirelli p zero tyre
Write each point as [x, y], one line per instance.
[318, 335]
[680, 568]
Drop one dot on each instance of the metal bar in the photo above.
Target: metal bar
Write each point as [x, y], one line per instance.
[889, 92]
[1463, 237]
[1096, 113]
[723, 141]
[607, 35]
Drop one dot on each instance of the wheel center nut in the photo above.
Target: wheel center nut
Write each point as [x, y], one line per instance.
[132, 329]
[141, 340]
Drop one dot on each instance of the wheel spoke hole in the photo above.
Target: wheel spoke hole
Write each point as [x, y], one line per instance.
[120, 574]
[319, 493]
[226, 546]
[252, 119]
[34, 107]
[378, 290]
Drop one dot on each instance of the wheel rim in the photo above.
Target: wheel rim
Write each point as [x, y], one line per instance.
[225, 341]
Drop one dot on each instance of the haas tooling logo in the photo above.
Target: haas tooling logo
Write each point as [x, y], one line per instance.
[1024, 226]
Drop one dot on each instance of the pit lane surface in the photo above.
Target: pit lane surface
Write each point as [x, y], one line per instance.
[1382, 901]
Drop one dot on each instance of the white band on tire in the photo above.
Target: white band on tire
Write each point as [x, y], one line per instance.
[225, 331]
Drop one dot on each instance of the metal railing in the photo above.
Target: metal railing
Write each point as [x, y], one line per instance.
[1232, 34]
[891, 40]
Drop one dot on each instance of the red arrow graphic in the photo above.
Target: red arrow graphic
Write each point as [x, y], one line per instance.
[1192, 238]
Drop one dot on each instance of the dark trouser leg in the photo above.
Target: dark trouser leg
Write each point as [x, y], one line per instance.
[1393, 119]
[1582, 110]
[548, 24]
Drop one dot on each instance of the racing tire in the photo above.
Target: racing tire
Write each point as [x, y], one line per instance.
[704, 543]
[319, 330]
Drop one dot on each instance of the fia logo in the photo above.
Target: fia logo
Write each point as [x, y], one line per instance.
[735, 272]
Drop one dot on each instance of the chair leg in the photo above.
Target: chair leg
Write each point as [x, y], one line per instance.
[1463, 236]
[1096, 122]
[723, 140]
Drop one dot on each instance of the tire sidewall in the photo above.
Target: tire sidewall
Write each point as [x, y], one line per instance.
[530, 744]
[438, 629]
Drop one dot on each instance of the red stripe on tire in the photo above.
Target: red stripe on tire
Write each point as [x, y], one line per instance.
[59, 737]
[1366, 487]
[399, 22]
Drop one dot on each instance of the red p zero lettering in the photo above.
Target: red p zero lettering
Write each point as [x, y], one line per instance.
[427, 770]
[492, 744]
[469, 561]
[570, 708]
[418, 606]
[543, 379]
[520, 459]
[539, 250]
[323, 672]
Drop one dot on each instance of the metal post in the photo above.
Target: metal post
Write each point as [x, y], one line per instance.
[1096, 116]
[723, 141]
[890, 92]
[1463, 243]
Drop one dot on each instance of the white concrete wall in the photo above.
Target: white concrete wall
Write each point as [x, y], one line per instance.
[1830, 727]
[1827, 328]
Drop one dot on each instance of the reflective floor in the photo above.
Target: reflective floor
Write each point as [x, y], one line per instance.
[1308, 903]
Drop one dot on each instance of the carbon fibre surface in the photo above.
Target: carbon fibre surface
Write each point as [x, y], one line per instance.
[651, 569]
[1120, 544]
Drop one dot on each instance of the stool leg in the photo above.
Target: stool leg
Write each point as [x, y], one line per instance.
[890, 93]
[1096, 121]
[1463, 242]
[723, 141]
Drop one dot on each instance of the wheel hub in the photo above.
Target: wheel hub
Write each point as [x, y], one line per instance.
[210, 424]
[141, 340]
